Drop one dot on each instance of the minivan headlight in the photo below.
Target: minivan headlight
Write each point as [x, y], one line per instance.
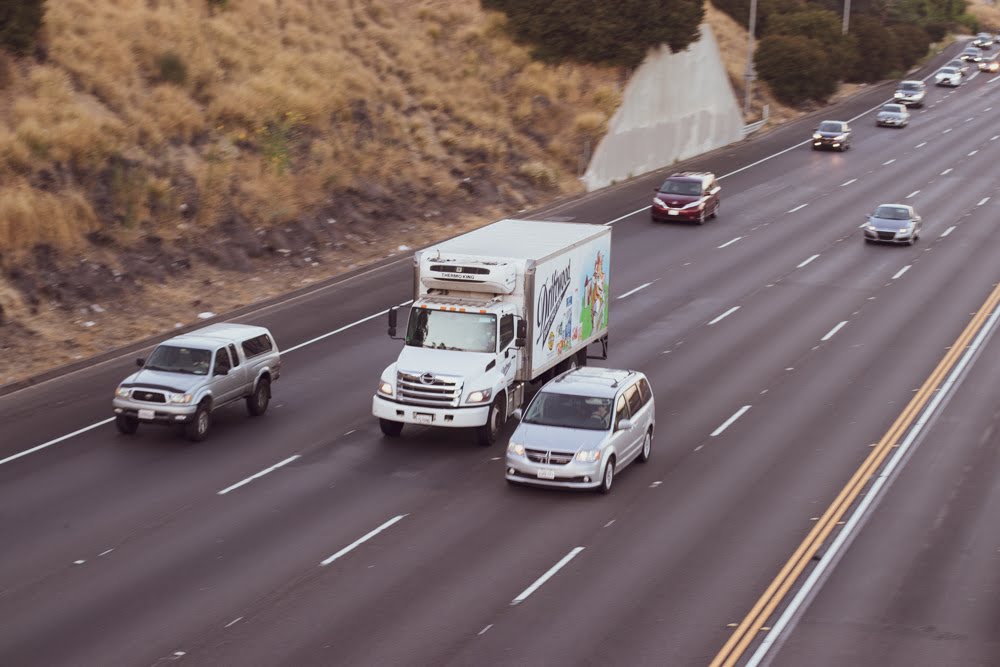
[385, 388]
[514, 448]
[588, 455]
[481, 396]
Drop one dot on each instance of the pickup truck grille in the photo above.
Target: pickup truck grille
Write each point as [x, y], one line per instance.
[148, 396]
[428, 389]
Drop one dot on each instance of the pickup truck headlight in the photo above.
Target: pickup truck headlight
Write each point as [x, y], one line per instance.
[514, 448]
[481, 396]
[385, 388]
[122, 392]
[588, 455]
[182, 399]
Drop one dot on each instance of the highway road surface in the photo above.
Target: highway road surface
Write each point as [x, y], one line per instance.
[822, 489]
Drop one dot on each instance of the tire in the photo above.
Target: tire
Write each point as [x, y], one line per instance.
[608, 478]
[647, 447]
[715, 211]
[197, 429]
[389, 428]
[701, 218]
[126, 425]
[257, 401]
[487, 434]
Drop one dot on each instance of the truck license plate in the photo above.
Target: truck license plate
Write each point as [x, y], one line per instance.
[147, 414]
[423, 417]
[546, 474]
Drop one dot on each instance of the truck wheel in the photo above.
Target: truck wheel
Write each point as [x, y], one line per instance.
[390, 428]
[258, 400]
[196, 430]
[126, 425]
[487, 435]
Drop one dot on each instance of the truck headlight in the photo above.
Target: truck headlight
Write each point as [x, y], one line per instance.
[481, 396]
[122, 392]
[588, 455]
[385, 388]
[182, 399]
[514, 448]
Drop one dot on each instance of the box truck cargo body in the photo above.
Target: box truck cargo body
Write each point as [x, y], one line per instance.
[507, 304]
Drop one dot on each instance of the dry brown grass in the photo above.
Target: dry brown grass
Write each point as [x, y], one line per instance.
[987, 13]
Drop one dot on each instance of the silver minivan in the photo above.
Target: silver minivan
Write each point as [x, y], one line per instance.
[582, 428]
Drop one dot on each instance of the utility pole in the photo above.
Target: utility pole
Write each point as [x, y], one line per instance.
[750, 75]
[847, 16]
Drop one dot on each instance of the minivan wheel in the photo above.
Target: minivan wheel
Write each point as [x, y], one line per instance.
[647, 447]
[701, 218]
[257, 401]
[390, 428]
[487, 434]
[609, 476]
[715, 211]
[196, 430]
[126, 425]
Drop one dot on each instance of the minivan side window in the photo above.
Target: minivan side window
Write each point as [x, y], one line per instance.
[222, 362]
[633, 398]
[621, 410]
[644, 391]
[506, 331]
[257, 345]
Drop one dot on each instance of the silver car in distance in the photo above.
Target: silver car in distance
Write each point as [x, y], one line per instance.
[581, 429]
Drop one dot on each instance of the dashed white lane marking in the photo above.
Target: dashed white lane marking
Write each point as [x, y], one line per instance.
[845, 184]
[364, 539]
[921, 144]
[988, 109]
[57, 440]
[913, 194]
[105, 553]
[729, 243]
[257, 475]
[234, 622]
[983, 201]
[832, 332]
[947, 171]
[79, 562]
[349, 432]
[485, 630]
[809, 260]
[969, 120]
[798, 208]
[972, 153]
[633, 291]
[724, 315]
[948, 231]
[995, 137]
[901, 271]
[729, 422]
[946, 131]
[545, 577]
[608, 524]
[888, 162]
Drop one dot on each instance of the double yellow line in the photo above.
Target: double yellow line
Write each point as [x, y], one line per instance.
[751, 625]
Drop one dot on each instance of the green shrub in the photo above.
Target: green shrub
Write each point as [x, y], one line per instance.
[877, 50]
[822, 26]
[936, 30]
[912, 44]
[969, 21]
[172, 68]
[20, 21]
[796, 68]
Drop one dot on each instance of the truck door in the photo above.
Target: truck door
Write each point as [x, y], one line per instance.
[508, 353]
[226, 381]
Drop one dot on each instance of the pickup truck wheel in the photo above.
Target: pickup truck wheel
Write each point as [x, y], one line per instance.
[197, 429]
[390, 428]
[258, 400]
[487, 435]
[126, 425]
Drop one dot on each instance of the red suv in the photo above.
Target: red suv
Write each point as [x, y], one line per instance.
[689, 195]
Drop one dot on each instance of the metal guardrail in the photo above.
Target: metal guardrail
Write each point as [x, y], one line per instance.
[750, 128]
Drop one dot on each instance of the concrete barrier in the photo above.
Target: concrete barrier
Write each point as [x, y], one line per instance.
[675, 106]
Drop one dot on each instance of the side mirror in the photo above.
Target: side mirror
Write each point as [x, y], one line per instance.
[624, 425]
[392, 321]
[517, 414]
[140, 362]
[522, 333]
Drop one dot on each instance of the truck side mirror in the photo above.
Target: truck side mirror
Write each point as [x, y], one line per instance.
[140, 362]
[392, 321]
[522, 333]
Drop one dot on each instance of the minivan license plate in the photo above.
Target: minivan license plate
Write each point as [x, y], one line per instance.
[147, 414]
[671, 212]
[546, 474]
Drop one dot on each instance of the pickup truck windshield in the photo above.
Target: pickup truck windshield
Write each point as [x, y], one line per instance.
[448, 330]
[174, 359]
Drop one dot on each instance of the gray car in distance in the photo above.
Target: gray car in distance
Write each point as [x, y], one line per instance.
[582, 428]
[892, 115]
[893, 223]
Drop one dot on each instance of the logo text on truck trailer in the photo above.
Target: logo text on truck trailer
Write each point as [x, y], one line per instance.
[549, 297]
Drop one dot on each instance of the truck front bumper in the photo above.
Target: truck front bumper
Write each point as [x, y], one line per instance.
[418, 414]
[154, 413]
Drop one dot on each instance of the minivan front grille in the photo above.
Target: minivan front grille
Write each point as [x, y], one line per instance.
[428, 389]
[551, 458]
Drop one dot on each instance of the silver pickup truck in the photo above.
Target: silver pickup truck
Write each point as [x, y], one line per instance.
[187, 377]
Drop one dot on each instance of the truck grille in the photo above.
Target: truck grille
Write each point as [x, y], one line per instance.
[148, 396]
[552, 458]
[428, 389]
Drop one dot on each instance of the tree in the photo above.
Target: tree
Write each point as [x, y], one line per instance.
[608, 33]
[20, 21]
[878, 49]
[822, 26]
[796, 68]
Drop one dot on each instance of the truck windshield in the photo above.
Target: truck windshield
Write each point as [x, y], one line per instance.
[173, 359]
[448, 330]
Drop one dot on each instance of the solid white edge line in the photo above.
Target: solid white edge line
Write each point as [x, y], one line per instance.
[832, 332]
[364, 539]
[724, 315]
[983, 201]
[729, 243]
[798, 208]
[258, 475]
[631, 292]
[808, 260]
[736, 415]
[627, 215]
[56, 441]
[847, 532]
[948, 231]
[900, 273]
[545, 577]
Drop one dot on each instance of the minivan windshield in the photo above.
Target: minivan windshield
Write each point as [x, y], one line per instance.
[176, 359]
[569, 411]
[450, 330]
[690, 188]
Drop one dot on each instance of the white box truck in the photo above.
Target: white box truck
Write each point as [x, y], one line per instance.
[513, 302]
